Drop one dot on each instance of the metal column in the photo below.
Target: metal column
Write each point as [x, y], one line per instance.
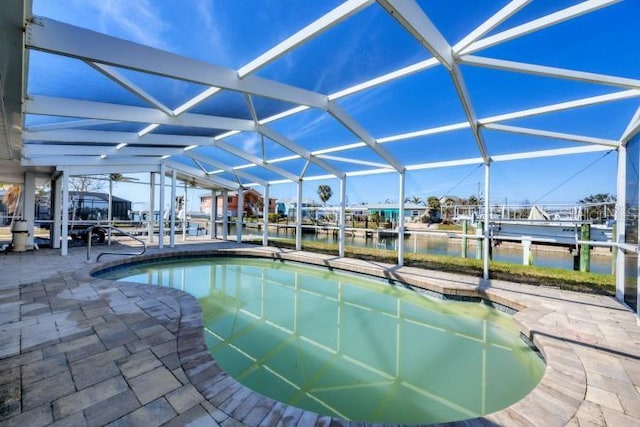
[342, 216]
[486, 242]
[265, 216]
[64, 235]
[299, 216]
[212, 216]
[225, 216]
[172, 210]
[239, 215]
[161, 225]
[57, 214]
[401, 178]
[152, 206]
[29, 211]
[621, 201]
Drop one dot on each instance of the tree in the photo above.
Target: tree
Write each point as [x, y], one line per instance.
[325, 193]
[598, 207]
[11, 199]
[433, 202]
[416, 200]
[85, 184]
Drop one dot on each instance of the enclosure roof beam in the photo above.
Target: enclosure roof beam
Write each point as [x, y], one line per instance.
[39, 150]
[553, 135]
[56, 37]
[224, 167]
[542, 70]
[354, 161]
[302, 152]
[200, 175]
[71, 124]
[632, 128]
[550, 153]
[411, 16]
[361, 133]
[498, 18]
[118, 78]
[90, 161]
[538, 24]
[109, 137]
[255, 160]
[65, 107]
[333, 17]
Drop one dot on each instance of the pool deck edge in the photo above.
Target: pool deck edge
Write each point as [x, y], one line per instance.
[140, 336]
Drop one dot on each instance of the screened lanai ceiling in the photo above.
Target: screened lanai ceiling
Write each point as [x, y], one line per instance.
[258, 92]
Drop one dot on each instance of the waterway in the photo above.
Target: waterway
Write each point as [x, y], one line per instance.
[544, 257]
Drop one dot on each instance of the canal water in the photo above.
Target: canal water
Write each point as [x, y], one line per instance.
[554, 257]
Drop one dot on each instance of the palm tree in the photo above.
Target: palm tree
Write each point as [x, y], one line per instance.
[416, 200]
[325, 193]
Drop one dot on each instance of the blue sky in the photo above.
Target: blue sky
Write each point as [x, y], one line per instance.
[367, 45]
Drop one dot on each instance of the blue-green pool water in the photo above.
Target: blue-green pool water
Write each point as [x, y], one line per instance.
[349, 346]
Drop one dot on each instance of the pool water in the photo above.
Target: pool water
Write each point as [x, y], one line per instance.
[349, 346]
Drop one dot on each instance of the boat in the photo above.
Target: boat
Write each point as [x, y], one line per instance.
[541, 229]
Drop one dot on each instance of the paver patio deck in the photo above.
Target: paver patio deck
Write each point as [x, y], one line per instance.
[75, 350]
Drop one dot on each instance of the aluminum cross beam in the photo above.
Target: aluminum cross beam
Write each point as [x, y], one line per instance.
[202, 176]
[255, 160]
[118, 78]
[56, 37]
[302, 152]
[52, 106]
[112, 137]
[224, 167]
[355, 128]
[553, 135]
[538, 24]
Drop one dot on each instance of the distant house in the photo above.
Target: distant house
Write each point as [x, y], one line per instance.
[389, 212]
[252, 201]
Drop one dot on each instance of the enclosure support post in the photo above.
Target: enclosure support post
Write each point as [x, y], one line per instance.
[526, 250]
[184, 213]
[614, 232]
[240, 213]
[465, 243]
[161, 202]
[57, 211]
[479, 244]
[110, 211]
[619, 235]
[64, 235]
[299, 217]
[172, 210]
[401, 178]
[486, 242]
[29, 211]
[585, 249]
[342, 216]
[152, 206]
[225, 215]
[213, 216]
[265, 216]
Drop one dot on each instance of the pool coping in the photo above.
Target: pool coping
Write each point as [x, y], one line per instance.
[554, 401]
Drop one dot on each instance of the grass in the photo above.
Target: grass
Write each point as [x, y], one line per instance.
[534, 275]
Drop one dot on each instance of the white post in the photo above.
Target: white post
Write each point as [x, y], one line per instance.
[110, 210]
[526, 250]
[239, 214]
[343, 216]
[29, 211]
[172, 210]
[299, 216]
[621, 202]
[184, 214]
[57, 214]
[265, 216]
[161, 212]
[152, 205]
[212, 216]
[400, 246]
[64, 235]
[225, 216]
[486, 242]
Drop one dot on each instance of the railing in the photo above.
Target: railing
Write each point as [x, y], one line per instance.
[123, 233]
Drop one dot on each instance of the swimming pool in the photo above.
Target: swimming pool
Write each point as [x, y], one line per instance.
[350, 346]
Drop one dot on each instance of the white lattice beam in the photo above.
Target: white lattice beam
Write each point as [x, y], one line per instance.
[216, 164]
[553, 135]
[538, 24]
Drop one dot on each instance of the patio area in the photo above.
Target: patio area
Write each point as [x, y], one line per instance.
[76, 350]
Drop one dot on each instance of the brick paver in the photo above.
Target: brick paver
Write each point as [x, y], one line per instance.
[75, 350]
